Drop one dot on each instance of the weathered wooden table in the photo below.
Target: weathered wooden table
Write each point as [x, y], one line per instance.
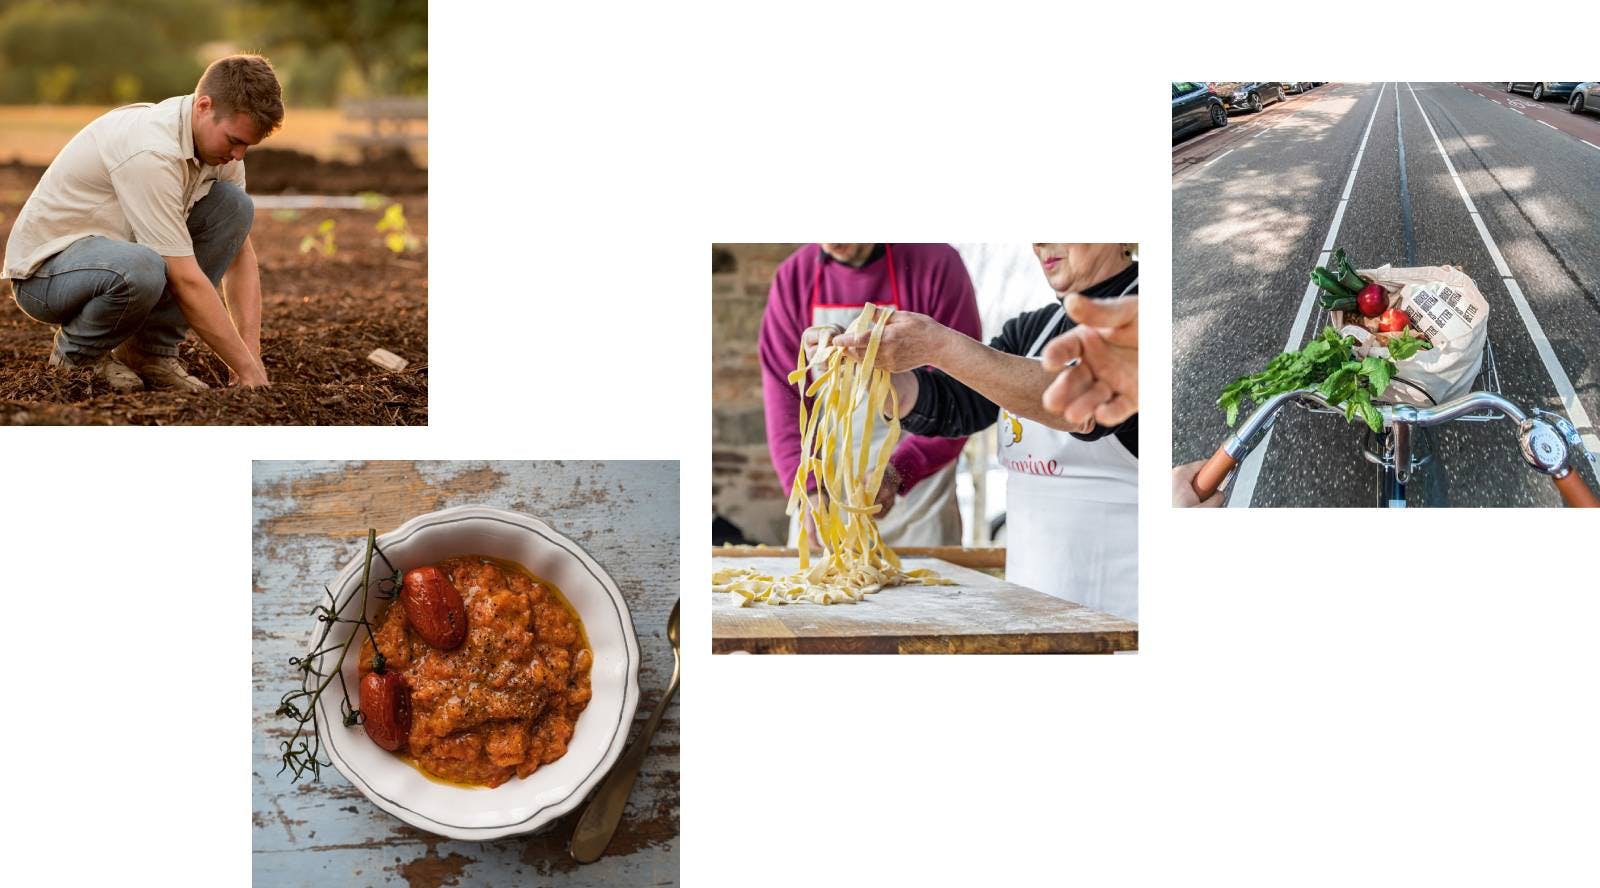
[981, 614]
[309, 519]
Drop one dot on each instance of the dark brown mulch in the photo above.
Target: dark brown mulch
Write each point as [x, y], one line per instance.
[286, 171]
[388, 400]
[322, 316]
[283, 171]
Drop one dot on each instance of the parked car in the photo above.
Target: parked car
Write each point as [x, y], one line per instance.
[1195, 106]
[1585, 98]
[1294, 88]
[1541, 91]
[1249, 96]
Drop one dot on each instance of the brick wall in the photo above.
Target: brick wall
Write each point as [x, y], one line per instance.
[744, 487]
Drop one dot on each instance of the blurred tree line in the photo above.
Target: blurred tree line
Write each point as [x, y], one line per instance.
[116, 51]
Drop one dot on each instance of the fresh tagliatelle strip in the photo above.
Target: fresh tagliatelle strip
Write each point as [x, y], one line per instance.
[854, 562]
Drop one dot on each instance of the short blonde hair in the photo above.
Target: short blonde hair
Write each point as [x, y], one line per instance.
[244, 84]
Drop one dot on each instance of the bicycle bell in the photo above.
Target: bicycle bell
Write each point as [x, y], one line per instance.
[1544, 445]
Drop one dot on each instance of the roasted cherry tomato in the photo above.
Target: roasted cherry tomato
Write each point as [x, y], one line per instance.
[386, 709]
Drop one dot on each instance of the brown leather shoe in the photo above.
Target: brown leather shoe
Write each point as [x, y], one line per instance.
[159, 371]
[108, 369]
[169, 373]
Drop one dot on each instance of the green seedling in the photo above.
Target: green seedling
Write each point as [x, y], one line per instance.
[324, 243]
[397, 234]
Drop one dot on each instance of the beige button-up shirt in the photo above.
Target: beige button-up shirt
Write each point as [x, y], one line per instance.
[131, 175]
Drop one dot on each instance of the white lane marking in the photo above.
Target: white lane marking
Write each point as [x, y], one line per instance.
[1306, 301]
[1494, 249]
[1333, 231]
[1217, 158]
[1215, 132]
[1558, 375]
[1244, 483]
[1519, 112]
[1496, 101]
[1552, 126]
[1590, 144]
[1275, 126]
[1541, 343]
[1198, 139]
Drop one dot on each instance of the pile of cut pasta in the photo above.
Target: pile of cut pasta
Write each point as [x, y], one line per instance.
[854, 561]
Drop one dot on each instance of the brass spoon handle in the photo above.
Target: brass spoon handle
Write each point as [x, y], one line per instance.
[599, 821]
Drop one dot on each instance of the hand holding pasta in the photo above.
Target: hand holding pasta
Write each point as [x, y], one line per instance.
[854, 561]
[814, 338]
[907, 341]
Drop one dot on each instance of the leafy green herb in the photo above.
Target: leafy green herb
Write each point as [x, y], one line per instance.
[1378, 372]
[1405, 345]
[1327, 363]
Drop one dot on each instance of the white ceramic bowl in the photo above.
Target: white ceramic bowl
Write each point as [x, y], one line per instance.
[518, 805]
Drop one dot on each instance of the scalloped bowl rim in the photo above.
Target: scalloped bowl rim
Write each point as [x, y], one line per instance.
[526, 804]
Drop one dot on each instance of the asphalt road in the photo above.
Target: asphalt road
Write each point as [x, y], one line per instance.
[1252, 211]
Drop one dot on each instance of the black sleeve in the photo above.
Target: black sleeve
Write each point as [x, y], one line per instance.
[1127, 433]
[947, 408]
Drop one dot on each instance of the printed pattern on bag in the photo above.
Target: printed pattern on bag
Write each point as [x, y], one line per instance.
[1446, 306]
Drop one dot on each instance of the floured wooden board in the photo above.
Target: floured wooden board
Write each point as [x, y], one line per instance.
[978, 615]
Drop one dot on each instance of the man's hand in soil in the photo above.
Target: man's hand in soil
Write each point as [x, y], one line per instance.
[242, 286]
[259, 379]
[202, 307]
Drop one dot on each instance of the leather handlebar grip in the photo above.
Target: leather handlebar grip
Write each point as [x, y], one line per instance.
[1213, 473]
[1576, 493]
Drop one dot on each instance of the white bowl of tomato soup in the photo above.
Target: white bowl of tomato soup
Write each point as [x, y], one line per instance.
[462, 539]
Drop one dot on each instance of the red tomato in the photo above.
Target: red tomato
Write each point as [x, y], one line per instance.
[1393, 321]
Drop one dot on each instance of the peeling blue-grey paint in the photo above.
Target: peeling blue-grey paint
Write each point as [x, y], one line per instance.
[626, 515]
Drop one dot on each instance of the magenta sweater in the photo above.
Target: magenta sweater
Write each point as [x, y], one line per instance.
[931, 280]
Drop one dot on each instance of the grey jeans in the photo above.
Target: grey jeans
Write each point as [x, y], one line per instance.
[101, 292]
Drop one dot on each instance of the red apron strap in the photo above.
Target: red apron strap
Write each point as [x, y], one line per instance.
[816, 282]
[894, 288]
[822, 259]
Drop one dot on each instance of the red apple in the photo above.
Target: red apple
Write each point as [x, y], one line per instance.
[1393, 321]
[1372, 300]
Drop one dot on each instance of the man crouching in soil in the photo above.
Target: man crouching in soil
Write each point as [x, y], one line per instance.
[141, 218]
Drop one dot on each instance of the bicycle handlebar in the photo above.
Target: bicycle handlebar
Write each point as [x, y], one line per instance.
[1542, 452]
[1575, 493]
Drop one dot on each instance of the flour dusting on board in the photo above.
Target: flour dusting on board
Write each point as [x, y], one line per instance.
[975, 604]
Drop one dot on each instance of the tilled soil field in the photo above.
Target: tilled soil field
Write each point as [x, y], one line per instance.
[321, 316]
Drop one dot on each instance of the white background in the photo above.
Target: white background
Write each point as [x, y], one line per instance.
[1313, 703]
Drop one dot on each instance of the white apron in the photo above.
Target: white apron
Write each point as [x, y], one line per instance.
[928, 514]
[1072, 512]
